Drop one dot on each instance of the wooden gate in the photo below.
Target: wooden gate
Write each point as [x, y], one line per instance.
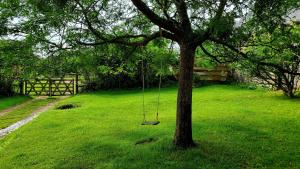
[50, 87]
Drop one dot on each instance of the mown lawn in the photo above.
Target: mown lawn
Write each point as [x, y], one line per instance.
[233, 127]
[6, 102]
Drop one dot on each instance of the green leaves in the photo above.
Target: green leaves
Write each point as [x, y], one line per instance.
[16, 60]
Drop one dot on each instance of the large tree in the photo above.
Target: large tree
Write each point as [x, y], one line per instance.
[137, 22]
[275, 58]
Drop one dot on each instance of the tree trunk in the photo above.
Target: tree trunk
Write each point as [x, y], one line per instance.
[290, 91]
[289, 87]
[279, 82]
[183, 135]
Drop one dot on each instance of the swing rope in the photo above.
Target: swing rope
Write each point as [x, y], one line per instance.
[145, 122]
[159, 87]
[160, 79]
[143, 80]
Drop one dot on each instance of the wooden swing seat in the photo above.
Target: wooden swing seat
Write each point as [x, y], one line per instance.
[150, 123]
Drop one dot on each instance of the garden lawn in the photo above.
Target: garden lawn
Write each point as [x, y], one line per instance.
[6, 102]
[233, 127]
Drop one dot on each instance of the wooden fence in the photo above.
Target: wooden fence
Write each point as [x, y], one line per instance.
[219, 74]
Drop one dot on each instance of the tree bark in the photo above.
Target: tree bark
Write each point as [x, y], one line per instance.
[290, 91]
[183, 135]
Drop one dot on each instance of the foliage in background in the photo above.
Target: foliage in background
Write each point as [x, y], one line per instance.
[275, 60]
[204, 61]
[17, 61]
[113, 66]
[107, 66]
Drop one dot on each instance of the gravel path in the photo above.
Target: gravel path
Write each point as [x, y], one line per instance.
[34, 114]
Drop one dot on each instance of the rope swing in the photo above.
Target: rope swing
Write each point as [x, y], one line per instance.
[156, 121]
[145, 121]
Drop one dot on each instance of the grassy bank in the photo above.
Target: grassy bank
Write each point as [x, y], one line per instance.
[6, 102]
[22, 112]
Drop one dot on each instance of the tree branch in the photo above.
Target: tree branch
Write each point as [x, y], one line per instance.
[183, 15]
[125, 39]
[88, 22]
[245, 56]
[210, 55]
[201, 38]
[154, 18]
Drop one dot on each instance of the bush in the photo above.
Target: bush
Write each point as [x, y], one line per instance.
[6, 87]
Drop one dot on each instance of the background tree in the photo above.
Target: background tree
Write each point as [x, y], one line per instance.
[275, 58]
[16, 62]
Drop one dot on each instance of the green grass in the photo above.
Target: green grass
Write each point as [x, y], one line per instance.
[6, 102]
[233, 127]
[22, 112]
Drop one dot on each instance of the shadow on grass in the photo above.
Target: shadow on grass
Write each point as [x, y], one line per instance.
[90, 155]
[159, 154]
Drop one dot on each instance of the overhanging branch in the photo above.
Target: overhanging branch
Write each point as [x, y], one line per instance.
[210, 55]
[129, 40]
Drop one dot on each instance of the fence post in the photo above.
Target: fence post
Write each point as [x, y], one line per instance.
[25, 87]
[76, 88]
[21, 87]
[50, 87]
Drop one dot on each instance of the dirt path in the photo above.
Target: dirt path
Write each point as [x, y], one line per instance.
[33, 115]
[13, 108]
